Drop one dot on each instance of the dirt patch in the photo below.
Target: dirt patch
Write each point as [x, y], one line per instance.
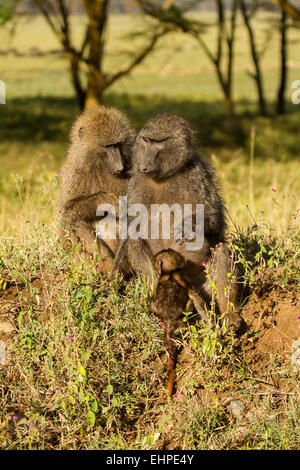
[40, 292]
[273, 324]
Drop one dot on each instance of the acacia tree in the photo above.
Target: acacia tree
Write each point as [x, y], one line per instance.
[247, 12]
[172, 14]
[87, 59]
[283, 69]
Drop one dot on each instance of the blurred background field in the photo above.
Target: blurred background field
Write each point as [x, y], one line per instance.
[177, 76]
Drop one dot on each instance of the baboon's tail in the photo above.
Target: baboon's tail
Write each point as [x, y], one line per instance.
[172, 353]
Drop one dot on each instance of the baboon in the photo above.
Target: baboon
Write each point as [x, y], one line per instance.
[168, 169]
[173, 295]
[96, 171]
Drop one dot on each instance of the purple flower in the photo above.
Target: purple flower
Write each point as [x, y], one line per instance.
[31, 426]
[61, 173]
[98, 268]
[175, 396]
[274, 190]
[69, 337]
[14, 418]
[204, 263]
[181, 393]
[261, 212]
[298, 317]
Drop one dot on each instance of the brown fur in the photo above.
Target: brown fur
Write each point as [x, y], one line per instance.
[169, 169]
[95, 172]
[173, 295]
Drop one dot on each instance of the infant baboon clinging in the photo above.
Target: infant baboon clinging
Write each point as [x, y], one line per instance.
[169, 170]
[173, 295]
[95, 172]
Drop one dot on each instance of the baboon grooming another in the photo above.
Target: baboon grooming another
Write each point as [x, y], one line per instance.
[173, 295]
[169, 170]
[95, 172]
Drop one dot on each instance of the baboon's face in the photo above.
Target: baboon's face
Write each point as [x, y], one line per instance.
[163, 146]
[116, 157]
[107, 137]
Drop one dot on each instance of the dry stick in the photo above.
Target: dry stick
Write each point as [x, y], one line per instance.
[251, 170]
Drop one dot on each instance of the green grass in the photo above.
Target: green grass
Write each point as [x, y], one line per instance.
[91, 376]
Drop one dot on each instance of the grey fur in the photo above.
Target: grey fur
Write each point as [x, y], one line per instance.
[169, 169]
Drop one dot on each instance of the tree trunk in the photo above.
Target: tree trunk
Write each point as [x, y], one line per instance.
[225, 78]
[284, 69]
[89, 57]
[226, 89]
[258, 74]
[75, 76]
[97, 18]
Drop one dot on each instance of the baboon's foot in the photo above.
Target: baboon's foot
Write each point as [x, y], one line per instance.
[234, 322]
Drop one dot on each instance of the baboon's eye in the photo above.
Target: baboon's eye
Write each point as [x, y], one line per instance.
[154, 141]
[80, 132]
[111, 146]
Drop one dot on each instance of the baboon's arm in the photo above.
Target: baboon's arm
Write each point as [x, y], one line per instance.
[85, 207]
[199, 304]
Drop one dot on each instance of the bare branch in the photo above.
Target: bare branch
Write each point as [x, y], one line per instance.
[42, 6]
[138, 59]
[291, 10]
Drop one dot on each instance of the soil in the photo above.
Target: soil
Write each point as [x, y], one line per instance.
[41, 291]
[272, 316]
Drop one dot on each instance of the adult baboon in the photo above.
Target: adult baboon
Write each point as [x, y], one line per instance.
[95, 172]
[169, 170]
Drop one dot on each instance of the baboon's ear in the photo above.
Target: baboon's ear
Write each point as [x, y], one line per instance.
[81, 131]
[158, 266]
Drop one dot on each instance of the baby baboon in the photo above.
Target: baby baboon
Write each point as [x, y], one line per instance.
[169, 170]
[173, 295]
[95, 172]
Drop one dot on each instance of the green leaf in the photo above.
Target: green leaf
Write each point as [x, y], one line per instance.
[91, 418]
[71, 399]
[94, 406]
[81, 396]
[110, 389]
[114, 402]
[82, 371]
